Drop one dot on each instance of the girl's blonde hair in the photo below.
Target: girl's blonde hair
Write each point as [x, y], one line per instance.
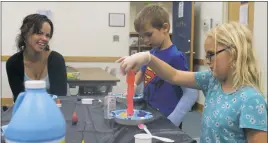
[238, 38]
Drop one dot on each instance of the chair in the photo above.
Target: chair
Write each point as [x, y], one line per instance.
[82, 90]
[106, 68]
[68, 90]
[113, 72]
[72, 90]
[110, 88]
[103, 89]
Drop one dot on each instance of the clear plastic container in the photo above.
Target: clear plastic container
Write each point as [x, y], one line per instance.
[109, 105]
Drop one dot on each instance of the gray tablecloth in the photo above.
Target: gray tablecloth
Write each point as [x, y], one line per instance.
[95, 129]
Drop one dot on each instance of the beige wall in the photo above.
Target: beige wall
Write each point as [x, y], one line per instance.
[203, 10]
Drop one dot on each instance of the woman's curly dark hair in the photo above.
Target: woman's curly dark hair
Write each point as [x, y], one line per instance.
[34, 22]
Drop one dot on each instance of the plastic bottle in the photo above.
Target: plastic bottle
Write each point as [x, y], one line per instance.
[36, 117]
[109, 105]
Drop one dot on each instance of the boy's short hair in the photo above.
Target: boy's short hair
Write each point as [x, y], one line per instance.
[151, 15]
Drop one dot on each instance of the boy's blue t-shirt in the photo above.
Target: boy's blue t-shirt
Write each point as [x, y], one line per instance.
[225, 116]
[159, 93]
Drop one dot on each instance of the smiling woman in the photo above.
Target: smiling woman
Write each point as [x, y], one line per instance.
[35, 60]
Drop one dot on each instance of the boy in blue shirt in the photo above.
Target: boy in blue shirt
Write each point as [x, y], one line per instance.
[153, 24]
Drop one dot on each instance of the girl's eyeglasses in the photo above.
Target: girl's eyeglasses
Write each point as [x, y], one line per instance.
[209, 56]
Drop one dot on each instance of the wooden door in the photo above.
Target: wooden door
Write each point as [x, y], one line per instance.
[183, 29]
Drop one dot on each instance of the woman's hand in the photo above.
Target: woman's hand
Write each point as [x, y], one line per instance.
[135, 62]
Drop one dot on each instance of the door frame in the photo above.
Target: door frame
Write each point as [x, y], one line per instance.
[192, 52]
[234, 6]
[225, 12]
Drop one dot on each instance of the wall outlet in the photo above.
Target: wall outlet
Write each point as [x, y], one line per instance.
[115, 38]
[207, 24]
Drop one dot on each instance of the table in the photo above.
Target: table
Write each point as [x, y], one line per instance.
[93, 76]
[95, 129]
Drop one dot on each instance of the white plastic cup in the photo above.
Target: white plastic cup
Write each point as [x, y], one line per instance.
[143, 138]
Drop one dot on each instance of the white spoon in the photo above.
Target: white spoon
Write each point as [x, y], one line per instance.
[144, 127]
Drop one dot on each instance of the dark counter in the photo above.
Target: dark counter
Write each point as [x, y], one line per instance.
[95, 129]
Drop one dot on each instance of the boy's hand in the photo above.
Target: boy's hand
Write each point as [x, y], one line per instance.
[134, 61]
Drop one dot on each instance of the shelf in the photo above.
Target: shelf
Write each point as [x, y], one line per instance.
[133, 47]
[144, 46]
[133, 33]
[136, 33]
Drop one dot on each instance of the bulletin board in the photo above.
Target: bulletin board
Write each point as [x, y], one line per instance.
[234, 12]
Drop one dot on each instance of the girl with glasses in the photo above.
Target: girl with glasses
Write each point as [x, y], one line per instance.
[235, 109]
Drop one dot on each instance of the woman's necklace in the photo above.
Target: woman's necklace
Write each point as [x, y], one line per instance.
[38, 75]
